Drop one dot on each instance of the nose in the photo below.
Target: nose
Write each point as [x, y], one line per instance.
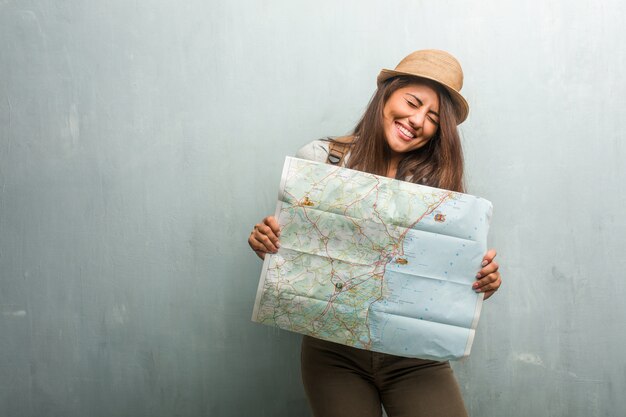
[416, 120]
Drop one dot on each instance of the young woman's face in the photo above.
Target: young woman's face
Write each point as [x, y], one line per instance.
[411, 117]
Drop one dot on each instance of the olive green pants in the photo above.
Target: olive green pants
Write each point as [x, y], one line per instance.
[341, 381]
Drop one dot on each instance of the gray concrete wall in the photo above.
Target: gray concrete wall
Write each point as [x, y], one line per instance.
[140, 141]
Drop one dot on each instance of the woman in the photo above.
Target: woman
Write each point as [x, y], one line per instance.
[408, 132]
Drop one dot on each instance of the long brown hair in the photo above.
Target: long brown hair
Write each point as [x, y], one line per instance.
[439, 163]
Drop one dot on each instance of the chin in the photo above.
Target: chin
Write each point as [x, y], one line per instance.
[406, 147]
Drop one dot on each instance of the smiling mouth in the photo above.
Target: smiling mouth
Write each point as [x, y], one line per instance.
[404, 131]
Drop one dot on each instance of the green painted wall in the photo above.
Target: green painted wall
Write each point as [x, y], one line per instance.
[140, 141]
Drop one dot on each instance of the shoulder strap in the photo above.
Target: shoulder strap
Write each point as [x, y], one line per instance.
[337, 150]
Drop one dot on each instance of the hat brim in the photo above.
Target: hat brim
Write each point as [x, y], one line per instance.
[459, 102]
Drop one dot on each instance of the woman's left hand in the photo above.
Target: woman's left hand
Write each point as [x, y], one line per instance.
[488, 279]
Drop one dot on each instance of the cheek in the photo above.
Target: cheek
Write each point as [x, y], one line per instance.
[432, 131]
[421, 144]
[388, 124]
[387, 117]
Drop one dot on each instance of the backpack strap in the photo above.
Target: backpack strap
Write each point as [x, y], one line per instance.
[337, 150]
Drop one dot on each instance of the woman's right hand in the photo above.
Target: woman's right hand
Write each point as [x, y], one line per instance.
[264, 237]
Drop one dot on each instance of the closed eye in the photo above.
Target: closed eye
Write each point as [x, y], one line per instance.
[431, 115]
[433, 119]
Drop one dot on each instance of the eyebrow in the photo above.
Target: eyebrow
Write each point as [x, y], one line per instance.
[421, 103]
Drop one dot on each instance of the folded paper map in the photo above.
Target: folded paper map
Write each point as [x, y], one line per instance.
[375, 263]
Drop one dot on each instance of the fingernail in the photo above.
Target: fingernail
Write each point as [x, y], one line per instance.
[484, 262]
[478, 275]
[475, 285]
[277, 244]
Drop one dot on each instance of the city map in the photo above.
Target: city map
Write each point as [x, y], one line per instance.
[374, 263]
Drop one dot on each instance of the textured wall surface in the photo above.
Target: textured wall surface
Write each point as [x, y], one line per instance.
[140, 141]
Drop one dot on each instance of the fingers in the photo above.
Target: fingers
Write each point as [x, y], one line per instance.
[264, 238]
[489, 269]
[256, 246]
[490, 282]
[488, 279]
[271, 222]
[488, 258]
[267, 233]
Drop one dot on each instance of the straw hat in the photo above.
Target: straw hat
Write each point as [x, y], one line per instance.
[438, 66]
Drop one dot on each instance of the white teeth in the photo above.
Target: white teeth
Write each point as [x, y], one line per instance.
[405, 131]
